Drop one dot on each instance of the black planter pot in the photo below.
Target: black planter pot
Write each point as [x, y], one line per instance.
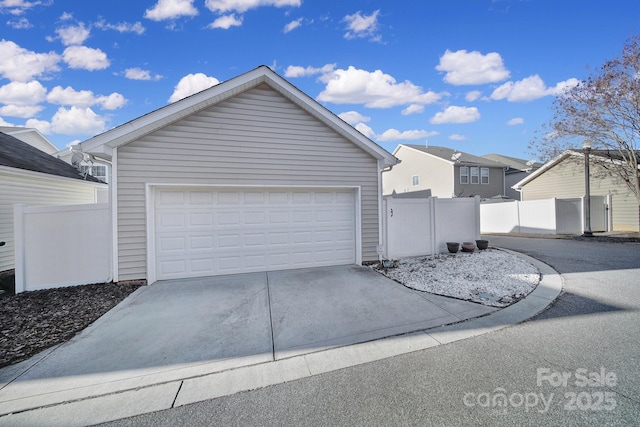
[482, 244]
[453, 247]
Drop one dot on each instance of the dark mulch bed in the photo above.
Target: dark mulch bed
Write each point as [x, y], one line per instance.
[34, 321]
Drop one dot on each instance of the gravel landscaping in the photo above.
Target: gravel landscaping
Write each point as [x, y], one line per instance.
[34, 321]
[491, 277]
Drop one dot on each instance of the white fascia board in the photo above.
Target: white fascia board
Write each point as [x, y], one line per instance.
[100, 144]
[312, 106]
[171, 113]
[518, 185]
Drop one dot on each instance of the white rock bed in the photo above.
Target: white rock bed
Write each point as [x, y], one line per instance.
[491, 277]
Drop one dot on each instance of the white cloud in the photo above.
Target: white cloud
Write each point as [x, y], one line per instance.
[529, 89]
[472, 68]
[365, 130]
[353, 117]
[73, 35]
[42, 125]
[140, 74]
[456, 114]
[190, 84]
[362, 26]
[226, 22]
[86, 58]
[112, 102]
[84, 98]
[457, 137]
[474, 95]
[22, 94]
[562, 87]
[292, 25]
[373, 89]
[77, 121]
[170, 9]
[298, 71]
[413, 109]
[22, 65]
[407, 135]
[20, 24]
[22, 111]
[3, 122]
[241, 6]
[18, 7]
[516, 121]
[122, 27]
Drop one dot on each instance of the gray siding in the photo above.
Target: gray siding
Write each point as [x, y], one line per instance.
[35, 189]
[256, 138]
[566, 180]
[495, 187]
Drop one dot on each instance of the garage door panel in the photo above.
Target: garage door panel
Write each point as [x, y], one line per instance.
[203, 232]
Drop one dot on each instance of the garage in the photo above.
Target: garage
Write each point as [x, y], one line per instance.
[208, 231]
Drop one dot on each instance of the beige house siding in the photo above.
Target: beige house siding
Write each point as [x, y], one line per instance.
[19, 186]
[255, 138]
[566, 180]
[399, 179]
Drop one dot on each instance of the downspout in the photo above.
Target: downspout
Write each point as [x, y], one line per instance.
[381, 214]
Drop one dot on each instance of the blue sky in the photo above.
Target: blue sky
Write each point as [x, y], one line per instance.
[475, 75]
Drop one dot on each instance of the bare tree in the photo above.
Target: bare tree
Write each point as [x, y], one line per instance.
[605, 110]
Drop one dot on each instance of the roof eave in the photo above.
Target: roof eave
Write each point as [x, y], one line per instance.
[542, 169]
[102, 145]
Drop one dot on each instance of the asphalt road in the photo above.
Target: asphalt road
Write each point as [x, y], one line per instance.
[576, 363]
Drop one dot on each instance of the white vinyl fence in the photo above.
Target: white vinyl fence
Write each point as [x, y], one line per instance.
[549, 216]
[418, 227]
[61, 246]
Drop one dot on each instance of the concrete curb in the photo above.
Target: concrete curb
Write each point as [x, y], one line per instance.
[199, 385]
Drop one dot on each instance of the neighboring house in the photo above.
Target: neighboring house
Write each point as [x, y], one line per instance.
[564, 178]
[32, 177]
[444, 171]
[31, 136]
[85, 163]
[248, 175]
[36, 139]
[516, 170]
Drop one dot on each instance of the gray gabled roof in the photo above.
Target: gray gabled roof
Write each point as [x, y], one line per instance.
[102, 145]
[465, 159]
[20, 155]
[513, 162]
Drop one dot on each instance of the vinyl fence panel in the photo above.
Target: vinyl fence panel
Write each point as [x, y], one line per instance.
[61, 246]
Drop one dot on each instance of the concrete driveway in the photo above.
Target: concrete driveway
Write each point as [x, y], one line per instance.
[180, 329]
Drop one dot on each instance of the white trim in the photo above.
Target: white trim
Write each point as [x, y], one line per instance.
[113, 200]
[149, 196]
[18, 247]
[171, 113]
[150, 189]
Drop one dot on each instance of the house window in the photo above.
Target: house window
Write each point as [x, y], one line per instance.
[464, 175]
[415, 180]
[484, 175]
[97, 171]
[475, 178]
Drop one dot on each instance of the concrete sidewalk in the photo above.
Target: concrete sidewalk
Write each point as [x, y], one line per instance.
[172, 343]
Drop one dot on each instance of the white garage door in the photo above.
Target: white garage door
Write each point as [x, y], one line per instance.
[206, 232]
